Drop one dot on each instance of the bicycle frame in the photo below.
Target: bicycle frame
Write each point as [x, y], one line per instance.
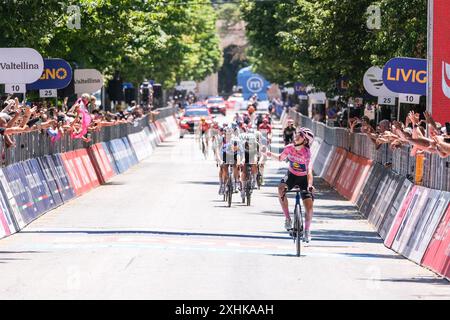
[297, 231]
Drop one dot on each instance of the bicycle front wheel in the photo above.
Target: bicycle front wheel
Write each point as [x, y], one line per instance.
[298, 236]
[230, 194]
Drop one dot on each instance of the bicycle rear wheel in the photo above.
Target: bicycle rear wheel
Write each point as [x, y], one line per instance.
[259, 180]
[248, 193]
[229, 193]
[298, 231]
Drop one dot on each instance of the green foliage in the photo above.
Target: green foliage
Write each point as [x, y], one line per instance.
[320, 41]
[166, 41]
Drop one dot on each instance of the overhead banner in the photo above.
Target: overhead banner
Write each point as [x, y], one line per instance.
[87, 80]
[406, 75]
[439, 60]
[20, 65]
[57, 74]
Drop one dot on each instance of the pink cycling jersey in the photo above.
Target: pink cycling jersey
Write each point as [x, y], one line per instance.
[298, 159]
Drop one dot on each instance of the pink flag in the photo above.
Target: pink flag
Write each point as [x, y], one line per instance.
[85, 121]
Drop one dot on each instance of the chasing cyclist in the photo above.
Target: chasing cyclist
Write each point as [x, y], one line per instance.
[288, 132]
[229, 153]
[300, 173]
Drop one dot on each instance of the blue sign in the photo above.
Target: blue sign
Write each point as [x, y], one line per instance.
[300, 89]
[406, 75]
[252, 83]
[57, 75]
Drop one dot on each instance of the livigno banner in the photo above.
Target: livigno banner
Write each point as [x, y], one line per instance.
[20, 65]
[57, 75]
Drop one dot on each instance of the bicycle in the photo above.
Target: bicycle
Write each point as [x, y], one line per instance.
[297, 231]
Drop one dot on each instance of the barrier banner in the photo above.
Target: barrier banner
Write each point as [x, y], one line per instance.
[38, 185]
[437, 255]
[96, 163]
[156, 133]
[369, 190]
[6, 224]
[315, 147]
[426, 200]
[141, 145]
[107, 152]
[120, 155]
[400, 196]
[409, 202]
[132, 158]
[12, 210]
[149, 139]
[365, 166]
[159, 130]
[381, 211]
[328, 161]
[100, 163]
[54, 185]
[335, 166]
[425, 226]
[320, 159]
[352, 170]
[57, 166]
[80, 171]
[10, 219]
[165, 127]
[16, 180]
[380, 196]
[88, 167]
[78, 179]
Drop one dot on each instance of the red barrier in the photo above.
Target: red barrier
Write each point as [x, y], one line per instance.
[160, 130]
[77, 173]
[100, 159]
[88, 168]
[334, 169]
[437, 256]
[349, 182]
[75, 181]
[400, 215]
[365, 165]
[4, 228]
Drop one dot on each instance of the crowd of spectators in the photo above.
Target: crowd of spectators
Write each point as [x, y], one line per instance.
[424, 135]
[78, 120]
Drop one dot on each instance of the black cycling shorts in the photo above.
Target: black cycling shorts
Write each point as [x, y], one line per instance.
[302, 181]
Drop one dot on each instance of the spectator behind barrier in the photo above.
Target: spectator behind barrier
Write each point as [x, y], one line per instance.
[78, 121]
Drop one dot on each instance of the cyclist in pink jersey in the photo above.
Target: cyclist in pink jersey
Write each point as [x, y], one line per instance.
[300, 173]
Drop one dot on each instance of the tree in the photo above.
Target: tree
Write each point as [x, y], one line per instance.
[320, 41]
[164, 41]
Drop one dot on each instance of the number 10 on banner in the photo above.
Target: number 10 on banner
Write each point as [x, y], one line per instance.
[15, 88]
[409, 98]
[48, 93]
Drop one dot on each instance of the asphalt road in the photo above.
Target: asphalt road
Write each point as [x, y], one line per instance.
[160, 231]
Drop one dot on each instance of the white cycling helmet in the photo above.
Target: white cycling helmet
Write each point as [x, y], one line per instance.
[307, 133]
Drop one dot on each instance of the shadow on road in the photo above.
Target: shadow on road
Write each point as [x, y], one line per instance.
[424, 280]
[150, 232]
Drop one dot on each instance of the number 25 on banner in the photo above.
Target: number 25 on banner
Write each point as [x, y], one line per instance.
[15, 88]
[390, 101]
[48, 93]
[409, 98]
